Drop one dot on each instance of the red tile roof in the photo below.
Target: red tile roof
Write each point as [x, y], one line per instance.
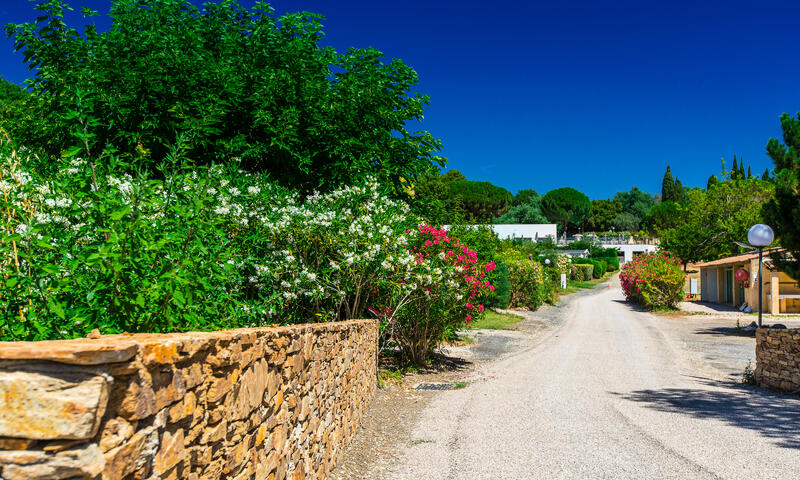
[745, 257]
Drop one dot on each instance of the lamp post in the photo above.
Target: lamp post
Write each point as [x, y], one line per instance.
[760, 236]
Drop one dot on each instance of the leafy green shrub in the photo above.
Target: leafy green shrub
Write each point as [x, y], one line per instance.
[586, 271]
[612, 263]
[200, 250]
[600, 267]
[501, 297]
[575, 272]
[529, 287]
[653, 280]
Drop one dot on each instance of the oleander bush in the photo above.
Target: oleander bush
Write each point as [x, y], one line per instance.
[451, 292]
[211, 248]
[653, 280]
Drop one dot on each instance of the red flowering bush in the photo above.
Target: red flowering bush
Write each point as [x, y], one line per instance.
[449, 291]
[653, 280]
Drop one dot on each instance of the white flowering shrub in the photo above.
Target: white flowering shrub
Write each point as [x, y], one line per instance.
[213, 248]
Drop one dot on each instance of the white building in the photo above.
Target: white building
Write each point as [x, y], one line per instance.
[534, 232]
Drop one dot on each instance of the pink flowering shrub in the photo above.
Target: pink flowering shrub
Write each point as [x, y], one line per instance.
[654, 280]
[450, 292]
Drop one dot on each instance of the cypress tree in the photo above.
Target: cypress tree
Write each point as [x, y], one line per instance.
[735, 171]
[741, 169]
[712, 180]
[668, 187]
[765, 175]
[749, 173]
[678, 191]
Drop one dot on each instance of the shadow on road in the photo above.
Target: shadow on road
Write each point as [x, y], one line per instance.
[726, 332]
[772, 415]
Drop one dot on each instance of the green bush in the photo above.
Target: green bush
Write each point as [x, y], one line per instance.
[214, 248]
[613, 263]
[600, 267]
[574, 272]
[586, 271]
[528, 281]
[501, 297]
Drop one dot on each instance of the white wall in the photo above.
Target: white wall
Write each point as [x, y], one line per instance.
[528, 231]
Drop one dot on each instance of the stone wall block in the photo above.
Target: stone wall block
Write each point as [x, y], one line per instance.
[263, 403]
[48, 402]
[777, 362]
[84, 462]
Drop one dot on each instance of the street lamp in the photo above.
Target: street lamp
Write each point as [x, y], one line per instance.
[760, 236]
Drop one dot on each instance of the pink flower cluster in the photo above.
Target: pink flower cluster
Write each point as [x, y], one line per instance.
[433, 242]
[653, 280]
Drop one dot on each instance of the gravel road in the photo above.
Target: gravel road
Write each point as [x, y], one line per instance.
[609, 394]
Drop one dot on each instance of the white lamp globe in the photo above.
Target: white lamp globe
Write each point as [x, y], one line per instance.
[760, 235]
[547, 261]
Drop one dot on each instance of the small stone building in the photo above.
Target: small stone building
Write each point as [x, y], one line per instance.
[781, 293]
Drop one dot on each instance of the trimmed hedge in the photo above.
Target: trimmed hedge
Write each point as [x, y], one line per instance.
[613, 263]
[587, 271]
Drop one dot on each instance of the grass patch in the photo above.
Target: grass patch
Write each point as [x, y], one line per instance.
[394, 377]
[496, 321]
[575, 286]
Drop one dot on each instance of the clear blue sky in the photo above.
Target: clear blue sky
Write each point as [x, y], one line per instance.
[596, 94]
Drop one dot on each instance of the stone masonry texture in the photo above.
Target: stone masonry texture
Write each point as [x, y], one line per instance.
[260, 403]
[778, 359]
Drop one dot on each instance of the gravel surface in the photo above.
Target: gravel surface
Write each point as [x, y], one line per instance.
[612, 393]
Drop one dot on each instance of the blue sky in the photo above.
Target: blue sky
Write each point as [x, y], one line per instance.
[596, 94]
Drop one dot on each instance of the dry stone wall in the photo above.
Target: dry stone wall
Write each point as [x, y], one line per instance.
[260, 403]
[778, 359]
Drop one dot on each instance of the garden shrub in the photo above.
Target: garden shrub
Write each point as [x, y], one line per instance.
[653, 280]
[528, 282]
[600, 267]
[501, 297]
[452, 292]
[586, 271]
[612, 263]
[205, 249]
[574, 272]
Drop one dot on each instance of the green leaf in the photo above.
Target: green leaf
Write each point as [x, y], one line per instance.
[71, 152]
[56, 308]
[118, 214]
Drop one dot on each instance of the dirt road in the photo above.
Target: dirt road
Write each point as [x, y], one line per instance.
[609, 394]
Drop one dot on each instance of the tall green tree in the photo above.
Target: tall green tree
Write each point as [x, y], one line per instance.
[749, 172]
[603, 214]
[480, 202]
[783, 211]
[635, 202]
[567, 207]
[525, 196]
[735, 170]
[680, 192]
[668, 187]
[530, 212]
[225, 82]
[710, 222]
[765, 175]
[662, 216]
[712, 180]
